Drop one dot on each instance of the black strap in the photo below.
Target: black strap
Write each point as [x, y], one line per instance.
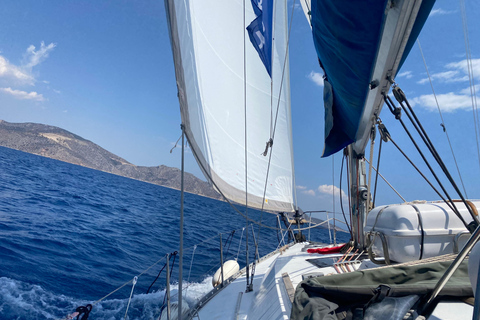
[85, 310]
[378, 295]
[269, 144]
[422, 236]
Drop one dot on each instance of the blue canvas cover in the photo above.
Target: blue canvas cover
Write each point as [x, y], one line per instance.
[325, 297]
[347, 35]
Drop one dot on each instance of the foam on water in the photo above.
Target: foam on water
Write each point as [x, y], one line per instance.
[19, 300]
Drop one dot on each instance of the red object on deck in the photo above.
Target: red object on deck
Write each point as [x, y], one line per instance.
[327, 250]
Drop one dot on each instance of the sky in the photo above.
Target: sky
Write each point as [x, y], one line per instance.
[104, 70]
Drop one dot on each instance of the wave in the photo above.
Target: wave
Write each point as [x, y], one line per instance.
[20, 300]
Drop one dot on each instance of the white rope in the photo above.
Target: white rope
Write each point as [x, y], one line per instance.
[370, 165]
[329, 233]
[190, 271]
[191, 262]
[123, 285]
[239, 244]
[398, 194]
[280, 226]
[131, 293]
[175, 144]
[70, 316]
[283, 237]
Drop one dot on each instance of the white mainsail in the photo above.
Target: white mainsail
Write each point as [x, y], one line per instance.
[212, 53]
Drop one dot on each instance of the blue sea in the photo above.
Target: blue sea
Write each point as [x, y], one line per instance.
[70, 235]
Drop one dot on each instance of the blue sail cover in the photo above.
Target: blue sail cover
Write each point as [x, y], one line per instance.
[347, 35]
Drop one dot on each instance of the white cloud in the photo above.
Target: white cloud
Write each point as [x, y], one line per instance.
[467, 90]
[12, 73]
[316, 77]
[446, 77]
[33, 58]
[57, 91]
[406, 74]
[304, 190]
[309, 192]
[329, 189]
[422, 81]
[440, 11]
[463, 66]
[450, 76]
[451, 101]
[456, 72]
[448, 102]
[23, 95]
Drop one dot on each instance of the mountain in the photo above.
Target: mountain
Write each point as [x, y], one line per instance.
[60, 144]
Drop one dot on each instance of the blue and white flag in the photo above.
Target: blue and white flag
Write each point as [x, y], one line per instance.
[260, 31]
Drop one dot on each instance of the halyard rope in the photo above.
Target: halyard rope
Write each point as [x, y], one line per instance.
[131, 293]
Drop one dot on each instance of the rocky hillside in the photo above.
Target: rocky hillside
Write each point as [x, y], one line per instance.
[56, 143]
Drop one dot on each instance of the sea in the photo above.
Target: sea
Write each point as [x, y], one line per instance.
[72, 236]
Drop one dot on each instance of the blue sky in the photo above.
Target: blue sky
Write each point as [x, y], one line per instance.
[104, 70]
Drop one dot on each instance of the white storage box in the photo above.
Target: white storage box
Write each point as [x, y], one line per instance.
[401, 225]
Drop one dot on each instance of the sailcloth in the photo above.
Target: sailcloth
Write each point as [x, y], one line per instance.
[353, 40]
[228, 117]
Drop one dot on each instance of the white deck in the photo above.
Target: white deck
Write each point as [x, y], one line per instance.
[269, 298]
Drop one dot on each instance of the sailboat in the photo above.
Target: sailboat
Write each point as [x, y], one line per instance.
[232, 74]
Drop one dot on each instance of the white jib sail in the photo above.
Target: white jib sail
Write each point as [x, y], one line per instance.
[208, 47]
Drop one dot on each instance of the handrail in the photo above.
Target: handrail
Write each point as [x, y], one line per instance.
[195, 247]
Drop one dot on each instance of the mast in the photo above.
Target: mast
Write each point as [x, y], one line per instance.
[358, 196]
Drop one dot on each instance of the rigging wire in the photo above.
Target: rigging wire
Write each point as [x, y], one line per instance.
[450, 202]
[443, 122]
[345, 154]
[471, 77]
[388, 183]
[158, 275]
[229, 241]
[376, 172]
[274, 128]
[191, 262]
[370, 165]
[194, 247]
[239, 243]
[286, 231]
[249, 287]
[341, 200]
[333, 195]
[278, 107]
[126, 283]
[174, 254]
[274, 16]
[401, 98]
